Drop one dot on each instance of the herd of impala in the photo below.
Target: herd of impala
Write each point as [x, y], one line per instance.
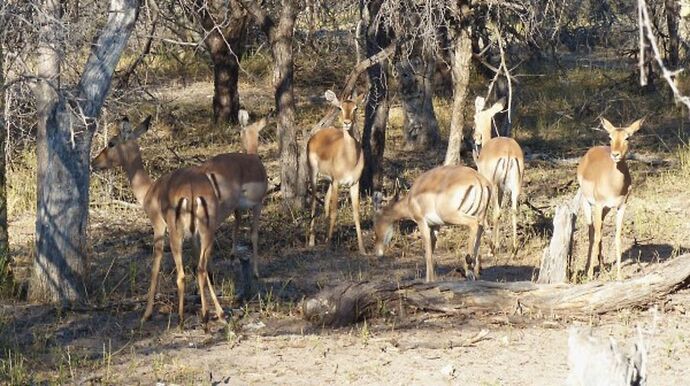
[196, 200]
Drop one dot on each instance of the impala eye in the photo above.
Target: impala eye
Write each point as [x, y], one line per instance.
[111, 144]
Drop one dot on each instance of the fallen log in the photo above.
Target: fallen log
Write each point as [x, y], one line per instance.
[350, 302]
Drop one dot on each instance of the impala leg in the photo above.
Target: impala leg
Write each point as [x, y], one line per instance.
[236, 231]
[619, 229]
[158, 238]
[434, 237]
[332, 210]
[203, 277]
[176, 238]
[311, 238]
[497, 201]
[515, 196]
[426, 238]
[474, 240]
[597, 217]
[327, 201]
[587, 211]
[604, 212]
[354, 197]
[256, 216]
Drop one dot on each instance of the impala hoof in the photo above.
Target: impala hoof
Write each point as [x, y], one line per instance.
[470, 275]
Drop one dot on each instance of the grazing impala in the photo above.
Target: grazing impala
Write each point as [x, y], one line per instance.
[501, 161]
[240, 183]
[605, 183]
[336, 154]
[446, 195]
[183, 201]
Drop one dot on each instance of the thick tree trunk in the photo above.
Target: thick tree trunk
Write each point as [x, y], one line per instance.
[5, 277]
[461, 62]
[416, 94]
[347, 303]
[225, 42]
[376, 110]
[684, 33]
[291, 187]
[63, 150]
[280, 37]
[672, 19]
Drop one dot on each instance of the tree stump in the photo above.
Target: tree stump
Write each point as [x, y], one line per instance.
[556, 262]
[600, 362]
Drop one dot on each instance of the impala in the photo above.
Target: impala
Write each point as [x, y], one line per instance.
[240, 183]
[337, 155]
[446, 195]
[183, 201]
[605, 184]
[501, 161]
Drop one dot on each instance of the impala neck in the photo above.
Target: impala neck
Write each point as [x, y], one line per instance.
[139, 180]
[486, 132]
[399, 210]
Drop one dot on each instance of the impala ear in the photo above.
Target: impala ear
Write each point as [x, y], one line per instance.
[498, 106]
[260, 124]
[124, 129]
[243, 117]
[632, 129]
[331, 97]
[377, 199]
[479, 104]
[608, 126]
[143, 127]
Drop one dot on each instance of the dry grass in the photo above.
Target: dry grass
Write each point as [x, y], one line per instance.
[555, 115]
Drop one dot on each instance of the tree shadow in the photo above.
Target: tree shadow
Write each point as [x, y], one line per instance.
[652, 253]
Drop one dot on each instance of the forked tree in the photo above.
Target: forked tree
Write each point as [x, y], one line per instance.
[66, 124]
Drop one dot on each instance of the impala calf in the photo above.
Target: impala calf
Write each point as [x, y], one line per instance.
[446, 195]
[501, 161]
[337, 155]
[183, 201]
[240, 183]
[605, 184]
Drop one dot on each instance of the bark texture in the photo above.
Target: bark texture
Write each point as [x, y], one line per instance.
[556, 263]
[461, 64]
[416, 94]
[377, 104]
[63, 150]
[5, 276]
[350, 302]
[280, 37]
[225, 25]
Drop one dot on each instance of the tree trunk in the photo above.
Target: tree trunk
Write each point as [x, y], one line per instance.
[672, 19]
[350, 302]
[280, 37]
[225, 42]
[684, 33]
[556, 262]
[416, 92]
[461, 64]
[376, 110]
[63, 151]
[5, 276]
[291, 187]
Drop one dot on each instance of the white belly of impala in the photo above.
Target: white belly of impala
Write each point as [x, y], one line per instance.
[432, 218]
